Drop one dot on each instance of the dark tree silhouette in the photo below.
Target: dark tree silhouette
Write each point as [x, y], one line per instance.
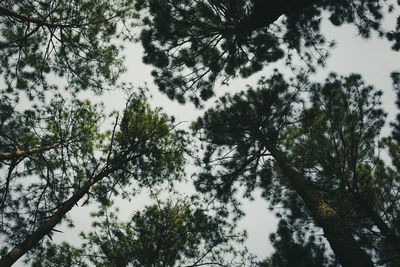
[192, 44]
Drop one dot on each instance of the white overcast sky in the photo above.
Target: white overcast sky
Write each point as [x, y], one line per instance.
[373, 59]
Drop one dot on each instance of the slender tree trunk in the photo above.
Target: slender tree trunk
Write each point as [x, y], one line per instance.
[345, 247]
[18, 251]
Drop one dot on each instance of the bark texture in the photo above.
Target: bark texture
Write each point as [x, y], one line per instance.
[345, 247]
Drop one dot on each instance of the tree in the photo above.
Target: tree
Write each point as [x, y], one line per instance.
[192, 45]
[59, 148]
[323, 159]
[53, 153]
[41, 40]
[146, 150]
[337, 145]
[292, 248]
[337, 141]
[45, 153]
[164, 234]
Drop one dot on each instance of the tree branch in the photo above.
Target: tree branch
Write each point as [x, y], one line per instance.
[5, 11]
[23, 153]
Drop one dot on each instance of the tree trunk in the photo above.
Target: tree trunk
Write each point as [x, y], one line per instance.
[18, 251]
[345, 247]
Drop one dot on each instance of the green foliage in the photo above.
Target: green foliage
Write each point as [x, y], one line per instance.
[329, 131]
[332, 141]
[194, 44]
[164, 234]
[235, 132]
[146, 147]
[54, 150]
[396, 125]
[294, 249]
[33, 185]
[62, 255]
[339, 131]
[75, 41]
[335, 146]
[145, 150]
[395, 36]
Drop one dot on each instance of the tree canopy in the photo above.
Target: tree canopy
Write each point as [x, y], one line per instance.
[312, 148]
[293, 248]
[41, 41]
[321, 155]
[164, 234]
[142, 150]
[195, 44]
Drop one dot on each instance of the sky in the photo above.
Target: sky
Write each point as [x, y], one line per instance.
[372, 58]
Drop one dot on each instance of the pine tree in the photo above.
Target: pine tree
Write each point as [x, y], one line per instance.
[318, 162]
[43, 42]
[168, 233]
[141, 151]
